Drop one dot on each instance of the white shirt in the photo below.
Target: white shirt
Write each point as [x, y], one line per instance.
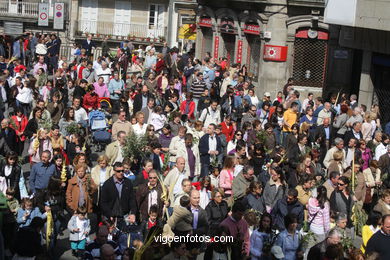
[152, 198]
[119, 157]
[102, 176]
[177, 187]
[80, 115]
[24, 95]
[105, 73]
[212, 143]
[139, 130]
[379, 151]
[82, 226]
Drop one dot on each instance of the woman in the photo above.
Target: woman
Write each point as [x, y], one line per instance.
[341, 200]
[289, 239]
[253, 198]
[165, 138]
[65, 121]
[91, 99]
[383, 205]
[39, 144]
[375, 116]
[217, 210]
[12, 172]
[277, 122]
[339, 122]
[24, 97]
[336, 164]
[19, 123]
[77, 149]
[258, 158]
[308, 117]
[372, 226]
[228, 128]
[61, 172]
[226, 176]
[158, 119]
[57, 141]
[254, 100]
[304, 188]
[151, 83]
[41, 78]
[140, 127]
[372, 178]
[100, 173]
[367, 127]
[232, 143]
[263, 113]
[45, 90]
[33, 124]
[364, 153]
[275, 189]
[319, 219]
[160, 64]
[261, 239]
[80, 189]
[292, 138]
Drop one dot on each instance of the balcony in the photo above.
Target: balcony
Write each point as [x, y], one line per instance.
[22, 9]
[308, 3]
[137, 32]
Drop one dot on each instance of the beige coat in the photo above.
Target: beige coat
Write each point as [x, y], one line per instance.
[121, 126]
[370, 179]
[382, 207]
[112, 151]
[183, 153]
[95, 175]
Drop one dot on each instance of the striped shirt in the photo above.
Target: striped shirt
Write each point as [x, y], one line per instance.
[197, 88]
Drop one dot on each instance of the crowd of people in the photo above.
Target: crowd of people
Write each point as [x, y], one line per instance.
[138, 143]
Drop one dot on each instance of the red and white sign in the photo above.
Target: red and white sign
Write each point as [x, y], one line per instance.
[43, 16]
[252, 29]
[227, 26]
[58, 23]
[239, 51]
[205, 22]
[216, 47]
[275, 53]
[320, 35]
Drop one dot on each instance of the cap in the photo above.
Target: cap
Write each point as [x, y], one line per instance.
[277, 252]
[267, 94]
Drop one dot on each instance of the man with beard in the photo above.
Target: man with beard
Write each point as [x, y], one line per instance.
[242, 181]
[141, 99]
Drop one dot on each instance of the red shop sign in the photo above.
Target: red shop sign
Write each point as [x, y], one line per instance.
[239, 51]
[275, 53]
[216, 47]
[227, 26]
[252, 29]
[205, 22]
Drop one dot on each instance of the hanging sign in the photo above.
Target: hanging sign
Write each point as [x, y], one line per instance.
[275, 53]
[58, 23]
[216, 47]
[252, 29]
[43, 15]
[239, 51]
[205, 22]
[227, 26]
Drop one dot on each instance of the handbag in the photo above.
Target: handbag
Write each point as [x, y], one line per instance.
[306, 228]
[367, 196]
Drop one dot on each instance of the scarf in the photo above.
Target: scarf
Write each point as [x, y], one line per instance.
[81, 195]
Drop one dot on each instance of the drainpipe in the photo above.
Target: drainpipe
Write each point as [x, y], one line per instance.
[171, 10]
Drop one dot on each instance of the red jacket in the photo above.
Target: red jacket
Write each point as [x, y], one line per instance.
[160, 66]
[228, 131]
[20, 126]
[91, 101]
[192, 108]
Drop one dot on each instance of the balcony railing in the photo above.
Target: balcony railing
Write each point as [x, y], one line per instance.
[120, 29]
[319, 3]
[22, 9]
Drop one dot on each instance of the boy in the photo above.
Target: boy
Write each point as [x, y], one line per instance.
[181, 220]
[79, 227]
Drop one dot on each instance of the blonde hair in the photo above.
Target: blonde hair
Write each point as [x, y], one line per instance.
[338, 155]
[102, 158]
[81, 166]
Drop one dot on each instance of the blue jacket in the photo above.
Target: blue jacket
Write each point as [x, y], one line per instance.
[114, 85]
[26, 222]
[40, 175]
[258, 239]
[281, 209]
[290, 244]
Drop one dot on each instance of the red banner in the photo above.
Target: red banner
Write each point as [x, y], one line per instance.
[252, 29]
[275, 53]
[239, 51]
[216, 47]
[205, 22]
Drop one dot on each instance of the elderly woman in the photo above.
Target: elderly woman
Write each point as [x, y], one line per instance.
[39, 144]
[217, 210]
[80, 189]
[101, 172]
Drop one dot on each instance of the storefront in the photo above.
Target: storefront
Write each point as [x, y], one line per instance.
[206, 35]
[253, 50]
[228, 33]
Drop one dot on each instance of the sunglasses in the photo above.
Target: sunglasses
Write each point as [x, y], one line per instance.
[340, 184]
[239, 134]
[152, 178]
[119, 170]
[253, 110]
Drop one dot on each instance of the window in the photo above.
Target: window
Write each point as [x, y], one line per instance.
[156, 16]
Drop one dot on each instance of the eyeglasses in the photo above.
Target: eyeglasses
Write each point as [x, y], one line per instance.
[239, 134]
[119, 170]
[151, 130]
[152, 178]
[253, 110]
[340, 184]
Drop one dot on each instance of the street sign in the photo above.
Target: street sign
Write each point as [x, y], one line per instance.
[58, 23]
[43, 16]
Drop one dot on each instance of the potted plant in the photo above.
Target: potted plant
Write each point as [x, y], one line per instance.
[98, 35]
[148, 39]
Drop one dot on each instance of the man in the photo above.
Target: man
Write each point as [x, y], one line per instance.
[200, 225]
[116, 87]
[174, 178]
[114, 151]
[148, 110]
[350, 152]
[319, 105]
[237, 227]
[46, 116]
[197, 89]
[141, 99]
[190, 153]
[40, 174]
[339, 145]
[355, 132]
[318, 251]
[356, 117]
[92, 250]
[242, 181]
[211, 115]
[107, 252]
[382, 147]
[121, 125]
[177, 144]
[150, 60]
[186, 187]
[9, 135]
[209, 148]
[326, 131]
[149, 194]
[238, 99]
[372, 144]
[89, 45]
[331, 183]
[250, 116]
[104, 72]
[40, 65]
[80, 115]
[285, 206]
[290, 117]
[384, 161]
[117, 195]
[53, 50]
[307, 102]
[353, 101]
[324, 113]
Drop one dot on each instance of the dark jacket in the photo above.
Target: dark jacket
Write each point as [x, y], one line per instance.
[31, 128]
[10, 138]
[254, 202]
[142, 197]
[203, 224]
[317, 251]
[137, 106]
[204, 148]
[12, 180]
[216, 213]
[88, 47]
[28, 242]
[282, 209]
[349, 135]
[115, 205]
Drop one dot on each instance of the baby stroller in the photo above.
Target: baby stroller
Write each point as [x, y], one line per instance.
[99, 129]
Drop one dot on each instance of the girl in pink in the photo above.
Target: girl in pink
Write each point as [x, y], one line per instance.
[227, 175]
[319, 214]
[45, 91]
[101, 88]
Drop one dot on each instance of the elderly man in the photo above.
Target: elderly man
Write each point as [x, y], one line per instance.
[318, 251]
[339, 145]
[121, 125]
[200, 223]
[324, 113]
[209, 148]
[382, 147]
[40, 174]
[92, 250]
[175, 177]
[114, 151]
[186, 188]
[190, 153]
[177, 144]
[104, 72]
[355, 132]
[9, 135]
[242, 181]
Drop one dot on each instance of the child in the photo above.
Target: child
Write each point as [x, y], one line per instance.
[79, 228]
[181, 220]
[9, 227]
[156, 157]
[27, 212]
[151, 222]
[214, 178]
[131, 234]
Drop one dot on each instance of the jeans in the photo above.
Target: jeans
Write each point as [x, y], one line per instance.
[277, 136]
[205, 170]
[196, 101]
[284, 136]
